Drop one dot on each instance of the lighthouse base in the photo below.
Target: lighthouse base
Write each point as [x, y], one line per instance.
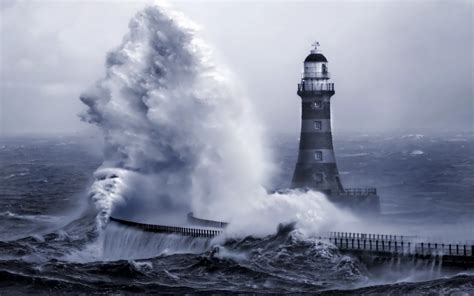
[366, 204]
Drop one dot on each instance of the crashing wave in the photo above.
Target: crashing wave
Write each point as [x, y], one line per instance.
[180, 137]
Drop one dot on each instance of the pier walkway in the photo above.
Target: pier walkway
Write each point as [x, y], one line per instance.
[187, 231]
[368, 247]
[383, 247]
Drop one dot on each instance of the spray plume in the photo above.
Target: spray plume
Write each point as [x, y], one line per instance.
[179, 137]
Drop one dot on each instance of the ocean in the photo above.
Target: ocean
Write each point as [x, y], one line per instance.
[49, 242]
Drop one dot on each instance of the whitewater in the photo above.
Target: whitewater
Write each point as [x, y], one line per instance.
[180, 136]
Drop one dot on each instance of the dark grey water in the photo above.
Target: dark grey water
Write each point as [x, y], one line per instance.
[49, 241]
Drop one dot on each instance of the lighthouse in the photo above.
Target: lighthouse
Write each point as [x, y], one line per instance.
[316, 167]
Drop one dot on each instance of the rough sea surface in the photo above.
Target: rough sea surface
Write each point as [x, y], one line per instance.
[49, 242]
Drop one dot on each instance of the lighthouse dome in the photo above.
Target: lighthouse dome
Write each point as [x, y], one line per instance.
[315, 58]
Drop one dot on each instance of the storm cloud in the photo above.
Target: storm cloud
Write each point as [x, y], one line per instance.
[396, 65]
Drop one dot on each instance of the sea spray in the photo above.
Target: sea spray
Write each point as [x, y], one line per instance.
[180, 137]
[124, 242]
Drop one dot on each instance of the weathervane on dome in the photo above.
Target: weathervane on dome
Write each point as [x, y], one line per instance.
[316, 47]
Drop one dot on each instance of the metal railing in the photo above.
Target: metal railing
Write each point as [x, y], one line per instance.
[358, 191]
[187, 231]
[370, 236]
[315, 87]
[305, 75]
[205, 222]
[396, 244]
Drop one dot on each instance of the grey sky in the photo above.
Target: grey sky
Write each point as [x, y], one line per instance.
[396, 65]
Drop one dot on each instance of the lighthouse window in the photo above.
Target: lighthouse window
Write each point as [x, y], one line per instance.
[316, 105]
[318, 155]
[318, 178]
[317, 125]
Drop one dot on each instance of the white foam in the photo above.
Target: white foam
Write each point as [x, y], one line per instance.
[180, 137]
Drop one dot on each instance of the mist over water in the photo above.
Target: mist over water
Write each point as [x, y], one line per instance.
[181, 137]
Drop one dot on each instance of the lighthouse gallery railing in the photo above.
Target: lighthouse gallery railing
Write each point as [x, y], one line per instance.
[316, 87]
[358, 191]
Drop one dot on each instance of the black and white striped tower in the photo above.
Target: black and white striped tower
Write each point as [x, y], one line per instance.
[316, 166]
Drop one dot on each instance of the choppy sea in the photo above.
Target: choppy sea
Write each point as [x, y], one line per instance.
[49, 242]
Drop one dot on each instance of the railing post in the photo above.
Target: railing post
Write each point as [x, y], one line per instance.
[409, 248]
[449, 249]
[457, 249]
[464, 247]
[376, 245]
[358, 244]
